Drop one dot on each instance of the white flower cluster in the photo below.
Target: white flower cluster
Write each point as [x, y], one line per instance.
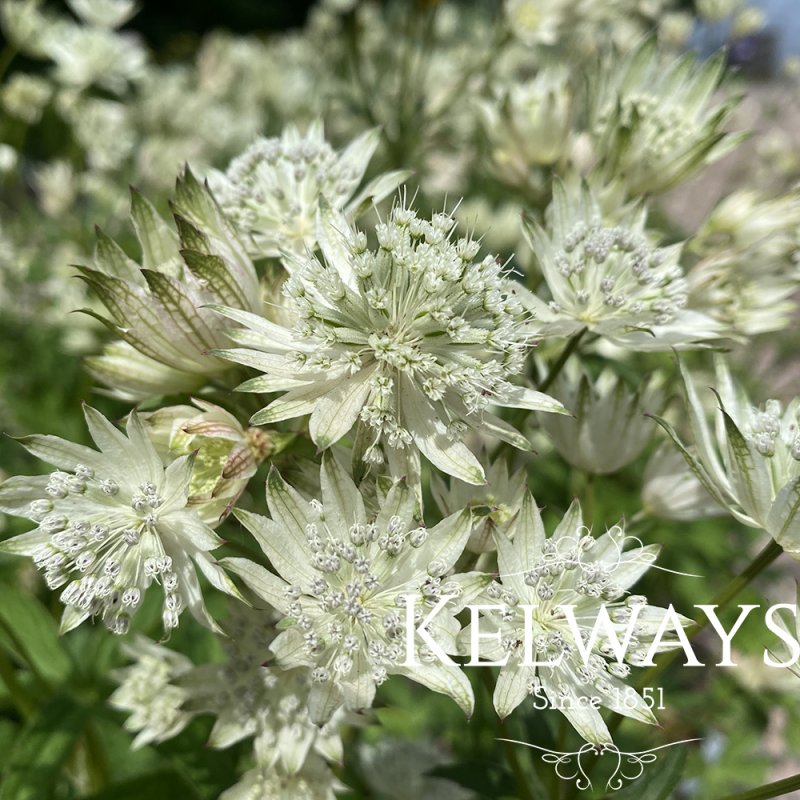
[413, 342]
[605, 275]
[164, 691]
[111, 523]
[272, 190]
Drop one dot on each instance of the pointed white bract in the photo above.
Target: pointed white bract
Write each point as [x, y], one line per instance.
[494, 504]
[654, 123]
[412, 344]
[609, 428]
[570, 567]
[746, 457]
[605, 274]
[346, 580]
[110, 523]
[272, 190]
[157, 307]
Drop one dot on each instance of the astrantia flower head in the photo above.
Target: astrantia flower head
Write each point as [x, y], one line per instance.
[609, 428]
[493, 505]
[604, 274]
[164, 691]
[345, 580]
[156, 307]
[652, 125]
[272, 190]
[111, 523]
[148, 690]
[569, 568]
[581, 28]
[85, 56]
[750, 267]
[316, 781]
[412, 342]
[749, 458]
[528, 124]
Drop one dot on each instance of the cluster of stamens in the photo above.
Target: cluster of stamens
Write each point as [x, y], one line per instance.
[566, 575]
[765, 430]
[273, 187]
[352, 606]
[420, 307]
[110, 539]
[613, 272]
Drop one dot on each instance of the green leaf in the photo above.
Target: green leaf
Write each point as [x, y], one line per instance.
[29, 633]
[34, 765]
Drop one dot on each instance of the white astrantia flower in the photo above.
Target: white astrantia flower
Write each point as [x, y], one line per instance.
[156, 307]
[528, 124]
[26, 96]
[247, 697]
[412, 343]
[149, 692]
[609, 428]
[87, 56]
[251, 697]
[344, 588]
[570, 567]
[653, 124]
[748, 457]
[670, 490]
[29, 27]
[493, 505]
[112, 522]
[749, 270]
[581, 28]
[272, 190]
[604, 274]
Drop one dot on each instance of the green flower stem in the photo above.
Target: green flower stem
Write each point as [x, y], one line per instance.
[568, 350]
[523, 790]
[776, 789]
